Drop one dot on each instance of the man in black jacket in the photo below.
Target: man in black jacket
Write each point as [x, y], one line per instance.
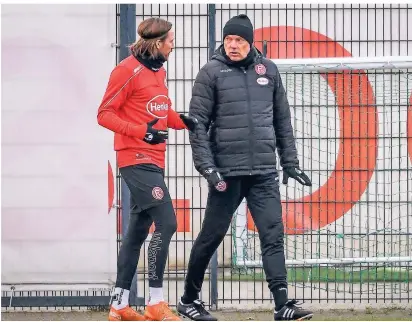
[243, 113]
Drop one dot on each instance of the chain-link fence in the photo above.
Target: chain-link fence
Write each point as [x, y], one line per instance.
[357, 225]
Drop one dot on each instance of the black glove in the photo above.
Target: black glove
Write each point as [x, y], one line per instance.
[190, 121]
[297, 174]
[154, 136]
[215, 179]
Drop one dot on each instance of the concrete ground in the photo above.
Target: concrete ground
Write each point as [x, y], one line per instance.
[249, 300]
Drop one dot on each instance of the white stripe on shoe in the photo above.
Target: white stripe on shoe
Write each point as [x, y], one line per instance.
[192, 312]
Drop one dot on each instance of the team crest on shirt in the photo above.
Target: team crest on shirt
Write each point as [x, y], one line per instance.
[158, 106]
[260, 69]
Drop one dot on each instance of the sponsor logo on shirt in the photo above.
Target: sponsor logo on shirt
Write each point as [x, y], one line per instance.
[158, 106]
[262, 81]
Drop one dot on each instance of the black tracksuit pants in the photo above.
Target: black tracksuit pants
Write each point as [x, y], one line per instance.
[263, 199]
[150, 202]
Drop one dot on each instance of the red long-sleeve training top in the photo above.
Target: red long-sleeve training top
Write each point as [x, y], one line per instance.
[134, 96]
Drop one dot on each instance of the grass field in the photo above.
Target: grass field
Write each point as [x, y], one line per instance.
[324, 274]
[330, 315]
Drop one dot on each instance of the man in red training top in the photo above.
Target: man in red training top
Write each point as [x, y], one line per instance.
[137, 108]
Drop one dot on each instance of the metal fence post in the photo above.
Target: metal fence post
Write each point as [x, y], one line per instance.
[213, 262]
[127, 31]
[265, 48]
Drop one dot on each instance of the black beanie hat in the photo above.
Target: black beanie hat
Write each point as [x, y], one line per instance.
[241, 26]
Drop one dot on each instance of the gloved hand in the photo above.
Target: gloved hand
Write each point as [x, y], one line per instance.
[215, 179]
[190, 121]
[297, 174]
[154, 136]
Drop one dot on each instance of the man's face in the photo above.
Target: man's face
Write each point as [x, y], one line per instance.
[236, 47]
[166, 46]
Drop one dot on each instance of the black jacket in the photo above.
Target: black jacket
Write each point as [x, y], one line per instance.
[243, 117]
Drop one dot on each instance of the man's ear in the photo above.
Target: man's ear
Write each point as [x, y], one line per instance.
[158, 44]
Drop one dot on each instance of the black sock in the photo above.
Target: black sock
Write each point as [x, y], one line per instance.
[186, 300]
[281, 297]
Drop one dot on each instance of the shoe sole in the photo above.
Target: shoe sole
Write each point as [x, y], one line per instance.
[306, 317]
[184, 317]
[188, 318]
[303, 318]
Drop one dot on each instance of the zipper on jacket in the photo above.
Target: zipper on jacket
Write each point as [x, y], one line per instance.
[250, 121]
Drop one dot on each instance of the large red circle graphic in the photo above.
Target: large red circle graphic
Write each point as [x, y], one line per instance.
[358, 120]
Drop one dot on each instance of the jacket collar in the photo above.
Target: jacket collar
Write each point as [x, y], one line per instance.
[254, 55]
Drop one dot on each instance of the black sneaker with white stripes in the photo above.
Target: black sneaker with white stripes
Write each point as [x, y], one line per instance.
[291, 312]
[195, 311]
